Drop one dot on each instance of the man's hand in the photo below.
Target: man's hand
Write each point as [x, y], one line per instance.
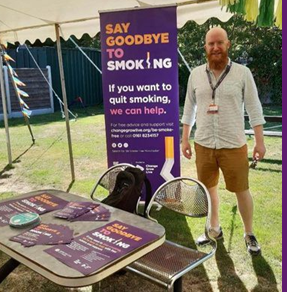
[186, 149]
[259, 151]
[259, 148]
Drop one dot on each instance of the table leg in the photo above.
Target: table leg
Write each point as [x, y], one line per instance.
[177, 286]
[7, 268]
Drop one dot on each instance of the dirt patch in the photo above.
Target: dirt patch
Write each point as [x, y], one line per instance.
[24, 280]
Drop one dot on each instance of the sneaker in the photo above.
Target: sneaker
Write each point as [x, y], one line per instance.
[202, 239]
[252, 245]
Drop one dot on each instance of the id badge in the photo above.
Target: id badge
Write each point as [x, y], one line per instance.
[212, 109]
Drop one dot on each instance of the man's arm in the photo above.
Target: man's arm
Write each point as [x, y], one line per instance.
[188, 118]
[259, 147]
[185, 146]
[255, 113]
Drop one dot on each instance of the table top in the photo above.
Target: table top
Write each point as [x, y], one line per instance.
[36, 259]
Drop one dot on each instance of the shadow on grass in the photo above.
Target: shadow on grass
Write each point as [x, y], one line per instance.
[55, 117]
[268, 170]
[177, 230]
[234, 211]
[272, 161]
[3, 173]
[269, 161]
[228, 277]
[8, 167]
[265, 275]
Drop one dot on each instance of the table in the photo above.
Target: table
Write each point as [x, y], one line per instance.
[49, 267]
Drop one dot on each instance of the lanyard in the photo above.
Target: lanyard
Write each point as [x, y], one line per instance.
[219, 81]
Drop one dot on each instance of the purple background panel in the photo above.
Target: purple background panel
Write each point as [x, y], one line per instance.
[141, 97]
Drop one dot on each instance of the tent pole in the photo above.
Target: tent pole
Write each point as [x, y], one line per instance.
[29, 128]
[61, 68]
[3, 94]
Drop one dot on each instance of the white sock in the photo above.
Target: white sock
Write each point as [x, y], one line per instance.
[216, 229]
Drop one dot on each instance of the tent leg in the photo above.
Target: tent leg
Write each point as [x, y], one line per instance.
[30, 130]
[62, 75]
[3, 94]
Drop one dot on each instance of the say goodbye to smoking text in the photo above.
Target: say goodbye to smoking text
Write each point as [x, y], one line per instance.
[129, 39]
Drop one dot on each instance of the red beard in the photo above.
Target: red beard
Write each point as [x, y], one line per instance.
[218, 62]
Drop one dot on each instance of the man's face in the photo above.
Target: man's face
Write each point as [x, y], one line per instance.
[216, 47]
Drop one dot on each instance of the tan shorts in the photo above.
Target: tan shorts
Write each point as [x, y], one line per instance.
[232, 162]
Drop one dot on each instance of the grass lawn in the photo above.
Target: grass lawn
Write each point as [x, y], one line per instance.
[45, 165]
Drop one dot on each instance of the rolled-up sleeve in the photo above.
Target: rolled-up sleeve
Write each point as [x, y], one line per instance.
[251, 100]
[189, 111]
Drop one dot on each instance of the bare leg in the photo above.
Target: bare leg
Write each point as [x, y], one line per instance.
[214, 220]
[245, 206]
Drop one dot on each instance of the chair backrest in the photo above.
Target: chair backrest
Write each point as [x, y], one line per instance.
[185, 196]
[106, 183]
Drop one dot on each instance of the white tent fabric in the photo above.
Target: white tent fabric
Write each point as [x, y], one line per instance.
[36, 19]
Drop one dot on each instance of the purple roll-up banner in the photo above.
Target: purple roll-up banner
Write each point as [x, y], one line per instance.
[140, 87]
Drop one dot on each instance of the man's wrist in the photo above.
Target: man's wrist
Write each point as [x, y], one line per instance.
[259, 143]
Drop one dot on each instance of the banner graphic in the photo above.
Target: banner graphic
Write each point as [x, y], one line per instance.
[95, 249]
[140, 87]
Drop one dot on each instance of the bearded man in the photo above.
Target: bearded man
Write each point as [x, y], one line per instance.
[216, 95]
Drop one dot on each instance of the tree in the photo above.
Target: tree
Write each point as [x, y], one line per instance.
[258, 48]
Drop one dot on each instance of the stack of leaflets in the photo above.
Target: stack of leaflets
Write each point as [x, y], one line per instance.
[99, 213]
[74, 210]
[45, 234]
[83, 211]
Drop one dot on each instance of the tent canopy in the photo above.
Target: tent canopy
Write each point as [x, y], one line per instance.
[36, 19]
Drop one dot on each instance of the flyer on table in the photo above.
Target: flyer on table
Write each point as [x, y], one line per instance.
[40, 204]
[140, 87]
[101, 246]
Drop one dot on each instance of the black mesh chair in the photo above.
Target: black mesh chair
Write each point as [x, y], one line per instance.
[167, 264]
[106, 183]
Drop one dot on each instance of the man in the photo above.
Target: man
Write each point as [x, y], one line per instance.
[216, 95]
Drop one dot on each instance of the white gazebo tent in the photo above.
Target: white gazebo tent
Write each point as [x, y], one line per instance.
[39, 19]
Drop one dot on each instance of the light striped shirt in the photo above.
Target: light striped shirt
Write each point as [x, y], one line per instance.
[224, 129]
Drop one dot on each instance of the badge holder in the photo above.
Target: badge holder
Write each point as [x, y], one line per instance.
[212, 109]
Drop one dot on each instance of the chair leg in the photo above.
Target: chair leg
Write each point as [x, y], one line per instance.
[7, 268]
[177, 286]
